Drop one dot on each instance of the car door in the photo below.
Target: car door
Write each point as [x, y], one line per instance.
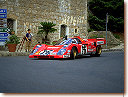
[79, 45]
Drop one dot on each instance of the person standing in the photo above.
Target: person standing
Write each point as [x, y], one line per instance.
[28, 40]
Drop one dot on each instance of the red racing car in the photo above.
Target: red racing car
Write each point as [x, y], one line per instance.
[69, 48]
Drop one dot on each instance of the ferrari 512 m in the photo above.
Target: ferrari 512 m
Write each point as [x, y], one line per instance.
[69, 48]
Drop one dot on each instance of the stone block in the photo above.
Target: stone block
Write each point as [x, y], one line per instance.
[57, 11]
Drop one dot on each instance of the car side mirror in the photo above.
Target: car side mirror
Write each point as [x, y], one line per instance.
[94, 43]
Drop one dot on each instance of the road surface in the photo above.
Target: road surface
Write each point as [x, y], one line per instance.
[103, 74]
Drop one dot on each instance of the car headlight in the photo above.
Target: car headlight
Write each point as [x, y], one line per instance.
[34, 51]
[61, 51]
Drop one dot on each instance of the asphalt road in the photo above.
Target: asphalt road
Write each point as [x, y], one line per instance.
[103, 74]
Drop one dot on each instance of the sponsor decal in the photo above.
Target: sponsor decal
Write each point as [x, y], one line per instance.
[90, 49]
[54, 47]
[66, 56]
[100, 42]
[89, 46]
[53, 53]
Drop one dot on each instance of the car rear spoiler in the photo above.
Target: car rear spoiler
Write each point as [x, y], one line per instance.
[100, 38]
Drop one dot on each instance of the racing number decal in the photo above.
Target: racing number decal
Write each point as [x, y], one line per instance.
[83, 49]
[46, 52]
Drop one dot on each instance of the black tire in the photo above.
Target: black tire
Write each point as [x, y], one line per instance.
[92, 55]
[98, 51]
[73, 53]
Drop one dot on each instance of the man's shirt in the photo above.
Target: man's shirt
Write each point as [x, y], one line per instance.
[29, 36]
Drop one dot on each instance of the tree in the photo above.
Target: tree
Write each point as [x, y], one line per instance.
[45, 28]
[97, 15]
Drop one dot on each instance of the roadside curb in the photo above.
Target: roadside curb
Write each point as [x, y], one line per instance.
[6, 53]
[106, 50]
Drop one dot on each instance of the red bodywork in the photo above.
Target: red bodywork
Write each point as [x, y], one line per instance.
[83, 46]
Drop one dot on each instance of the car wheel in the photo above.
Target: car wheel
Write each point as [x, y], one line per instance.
[73, 53]
[98, 51]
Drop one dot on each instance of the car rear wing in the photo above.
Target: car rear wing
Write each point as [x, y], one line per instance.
[97, 41]
[100, 38]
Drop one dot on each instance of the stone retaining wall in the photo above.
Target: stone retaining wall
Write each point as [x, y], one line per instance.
[29, 14]
[111, 40]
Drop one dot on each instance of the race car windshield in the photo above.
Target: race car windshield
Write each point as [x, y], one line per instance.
[64, 42]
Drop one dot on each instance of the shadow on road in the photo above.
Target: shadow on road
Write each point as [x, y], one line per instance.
[78, 57]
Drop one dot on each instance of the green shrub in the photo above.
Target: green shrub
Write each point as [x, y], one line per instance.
[116, 36]
[46, 28]
[13, 39]
[53, 42]
[89, 30]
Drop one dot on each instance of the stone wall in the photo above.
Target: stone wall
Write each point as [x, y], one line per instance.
[29, 14]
